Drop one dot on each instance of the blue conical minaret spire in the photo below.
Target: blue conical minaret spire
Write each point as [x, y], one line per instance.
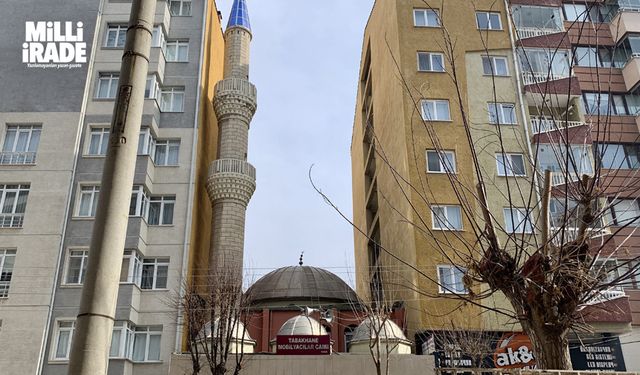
[239, 16]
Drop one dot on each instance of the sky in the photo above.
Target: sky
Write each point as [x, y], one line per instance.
[304, 61]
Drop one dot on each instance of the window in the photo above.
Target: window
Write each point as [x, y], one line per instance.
[441, 162]
[116, 36]
[618, 156]
[537, 17]
[121, 338]
[488, 21]
[576, 12]
[139, 201]
[495, 65]
[544, 64]
[161, 210]
[510, 165]
[146, 143]
[107, 86]
[593, 57]
[158, 38]
[62, 341]
[446, 217]
[88, 202]
[450, 279]
[502, 113]
[177, 51]
[152, 87]
[76, 267]
[20, 144]
[131, 271]
[166, 152]
[13, 203]
[172, 99]
[7, 260]
[180, 7]
[146, 344]
[517, 220]
[554, 158]
[625, 212]
[98, 141]
[436, 110]
[426, 18]
[154, 273]
[610, 104]
[430, 62]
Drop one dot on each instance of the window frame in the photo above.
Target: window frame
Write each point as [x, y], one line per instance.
[22, 128]
[156, 263]
[177, 44]
[425, 11]
[443, 168]
[169, 144]
[451, 274]
[509, 155]
[15, 218]
[147, 331]
[164, 200]
[492, 61]
[84, 261]
[613, 203]
[5, 281]
[446, 208]
[489, 24]
[500, 112]
[55, 342]
[173, 92]
[119, 29]
[93, 204]
[104, 132]
[522, 215]
[111, 77]
[180, 14]
[430, 56]
[435, 102]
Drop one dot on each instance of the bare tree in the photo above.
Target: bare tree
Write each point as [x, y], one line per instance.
[548, 255]
[216, 311]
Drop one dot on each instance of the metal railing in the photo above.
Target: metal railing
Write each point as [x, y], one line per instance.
[529, 78]
[563, 235]
[541, 124]
[562, 178]
[11, 220]
[233, 166]
[531, 32]
[17, 158]
[605, 296]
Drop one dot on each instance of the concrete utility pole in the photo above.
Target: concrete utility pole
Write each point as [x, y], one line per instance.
[92, 336]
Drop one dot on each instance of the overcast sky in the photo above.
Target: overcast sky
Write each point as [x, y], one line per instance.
[304, 60]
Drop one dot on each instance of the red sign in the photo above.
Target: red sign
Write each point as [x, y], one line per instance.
[514, 351]
[303, 345]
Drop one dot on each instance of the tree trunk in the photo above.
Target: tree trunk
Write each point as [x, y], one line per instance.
[551, 346]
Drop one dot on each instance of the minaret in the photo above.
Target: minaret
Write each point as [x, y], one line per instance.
[232, 180]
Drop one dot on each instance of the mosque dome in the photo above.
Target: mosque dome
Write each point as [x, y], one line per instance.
[381, 330]
[239, 331]
[302, 325]
[302, 284]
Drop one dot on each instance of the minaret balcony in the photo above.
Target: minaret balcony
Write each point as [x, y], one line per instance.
[236, 86]
[231, 179]
[235, 97]
[232, 166]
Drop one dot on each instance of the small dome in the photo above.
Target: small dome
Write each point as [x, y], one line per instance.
[304, 284]
[302, 325]
[374, 326]
[240, 333]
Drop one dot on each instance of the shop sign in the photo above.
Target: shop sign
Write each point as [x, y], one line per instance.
[303, 345]
[602, 355]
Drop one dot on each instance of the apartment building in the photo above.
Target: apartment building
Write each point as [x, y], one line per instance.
[449, 87]
[54, 127]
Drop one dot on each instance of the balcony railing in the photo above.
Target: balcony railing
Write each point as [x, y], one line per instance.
[11, 220]
[562, 178]
[605, 296]
[17, 158]
[560, 236]
[530, 78]
[531, 32]
[540, 125]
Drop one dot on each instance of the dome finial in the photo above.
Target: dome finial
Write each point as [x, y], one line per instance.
[301, 257]
[239, 16]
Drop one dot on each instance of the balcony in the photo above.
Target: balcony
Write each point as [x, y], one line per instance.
[17, 158]
[563, 235]
[11, 220]
[631, 71]
[605, 296]
[531, 78]
[626, 21]
[543, 125]
[532, 32]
